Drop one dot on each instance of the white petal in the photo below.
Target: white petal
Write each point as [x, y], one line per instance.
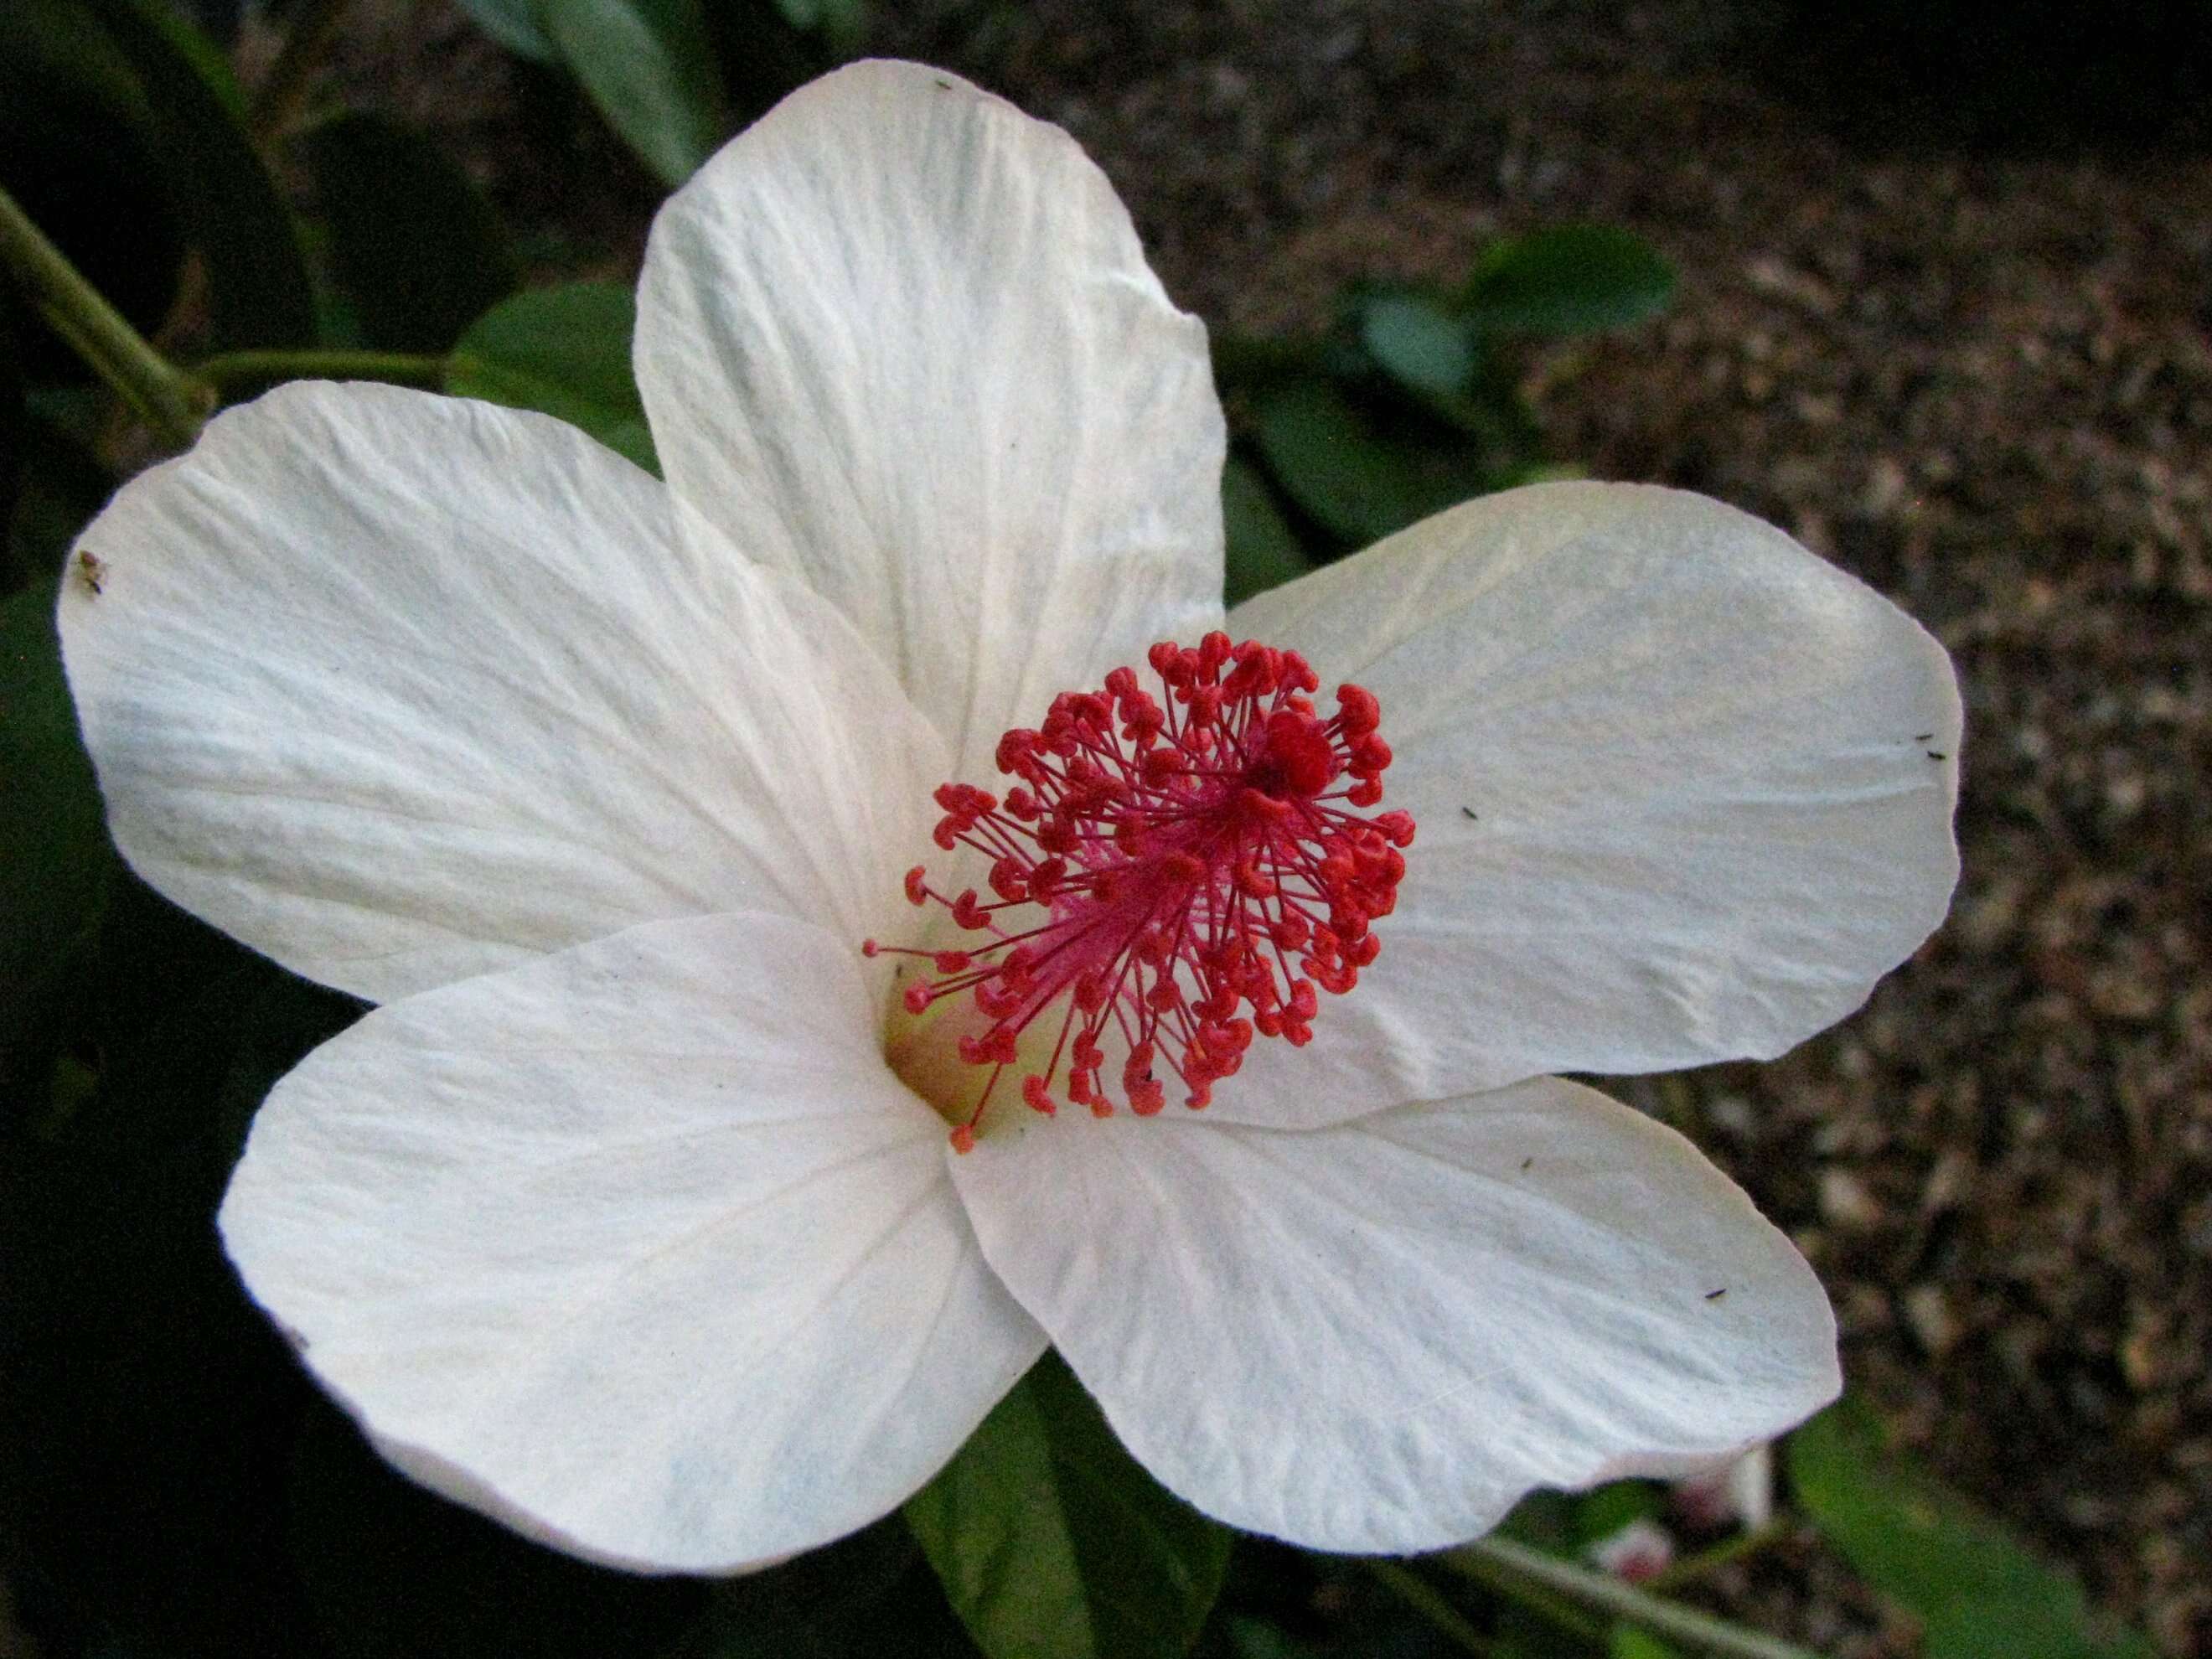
[1376, 1337]
[1683, 791]
[900, 339]
[637, 1247]
[399, 688]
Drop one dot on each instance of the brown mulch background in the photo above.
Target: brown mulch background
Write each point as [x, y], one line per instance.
[1983, 384]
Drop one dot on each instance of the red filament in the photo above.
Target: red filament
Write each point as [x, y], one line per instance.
[1177, 875]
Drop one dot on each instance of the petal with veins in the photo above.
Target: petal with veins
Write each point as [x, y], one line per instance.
[1377, 1336]
[637, 1247]
[398, 689]
[1683, 790]
[900, 339]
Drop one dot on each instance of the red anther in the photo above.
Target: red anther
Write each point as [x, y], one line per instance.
[869, 947]
[1303, 760]
[1176, 876]
[1157, 766]
[1358, 713]
[963, 1138]
[1200, 1097]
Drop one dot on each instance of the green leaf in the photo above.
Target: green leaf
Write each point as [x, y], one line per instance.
[1357, 478]
[414, 247]
[1263, 550]
[1629, 1643]
[1052, 1542]
[259, 291]
[840, 23]
[563, 351]
[55, 861]
[1570, 280]
[649, 66]
[514, 25]
[1977, 1592]
[1418, 341]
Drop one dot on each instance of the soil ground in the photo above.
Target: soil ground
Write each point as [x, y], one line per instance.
[1983, 384]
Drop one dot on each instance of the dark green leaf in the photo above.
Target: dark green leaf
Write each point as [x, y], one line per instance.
[80, 152]
[1418, 341]
[1052, 1543]
[649, 66]
[563, 351]
[258, 292]
[1358, 479]
[1977, 1592]
[391, 1572]
[1263, 551]
[55, 861]
[870, 1594]
[1600, 1514]
[840, 23]
[1568, 281]
[514, 25]
[1629, 1643]
[414, 246]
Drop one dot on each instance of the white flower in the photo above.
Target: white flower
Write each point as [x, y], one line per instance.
[614, 1222]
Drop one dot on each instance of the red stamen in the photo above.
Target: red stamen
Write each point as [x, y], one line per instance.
[1190, 861]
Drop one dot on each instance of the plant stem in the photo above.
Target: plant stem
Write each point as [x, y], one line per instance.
[1495, 1559]
[1416, 1592]
[237, 368]
[169, 399]
[1691, 1568]
[1516, 1586]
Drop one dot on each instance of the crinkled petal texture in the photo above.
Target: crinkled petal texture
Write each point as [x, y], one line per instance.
[1683, 791]
[1377, 1336]
[398, 689]
[637, 1245]
[900, 339]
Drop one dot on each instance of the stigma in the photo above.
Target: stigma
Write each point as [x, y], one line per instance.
[1169, 878]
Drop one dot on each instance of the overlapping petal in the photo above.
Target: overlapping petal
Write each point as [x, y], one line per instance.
[1684, 792]
[399, 688]
[900, 339]
[637, 1245]
[1377, 1336]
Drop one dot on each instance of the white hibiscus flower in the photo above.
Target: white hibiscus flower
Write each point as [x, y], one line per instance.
[614, 1222]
